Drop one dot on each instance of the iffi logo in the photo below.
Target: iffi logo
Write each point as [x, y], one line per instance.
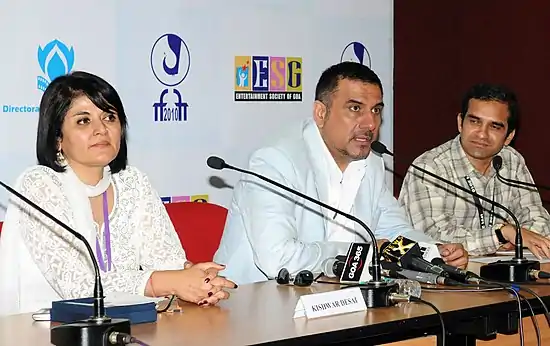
[170, 63]
[55, 59]
[268, 78]
[357, 52]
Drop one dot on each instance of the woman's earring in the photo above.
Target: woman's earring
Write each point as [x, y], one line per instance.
[60, 157]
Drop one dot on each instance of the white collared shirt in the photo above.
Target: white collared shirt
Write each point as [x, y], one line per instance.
[342, 190]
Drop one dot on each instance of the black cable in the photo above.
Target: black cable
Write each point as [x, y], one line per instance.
[534, 283]
[425, 302]
[488, 286]
[533, 318]
[511, 289]
[316, 280]
[483, 285]
[534, 294]
[543, 275]
[465, 290]
[117, 338]
[320, 276]
[491, 284]
[167, 306]
[520, 318]
[331, 282]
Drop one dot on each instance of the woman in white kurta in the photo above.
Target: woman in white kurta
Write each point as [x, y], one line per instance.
[83, 179]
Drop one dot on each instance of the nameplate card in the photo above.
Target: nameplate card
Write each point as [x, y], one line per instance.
[330, 303]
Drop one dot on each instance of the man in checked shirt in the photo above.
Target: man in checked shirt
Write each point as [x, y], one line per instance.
[486, 126]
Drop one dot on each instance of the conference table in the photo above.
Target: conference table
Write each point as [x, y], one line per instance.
[262, 314]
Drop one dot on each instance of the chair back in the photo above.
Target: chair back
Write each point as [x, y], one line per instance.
[199, 227]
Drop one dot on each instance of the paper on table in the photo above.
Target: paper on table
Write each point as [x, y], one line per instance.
[526, 252]
[506, 258]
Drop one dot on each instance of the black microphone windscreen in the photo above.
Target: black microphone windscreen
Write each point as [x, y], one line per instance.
[379, 147]
[497, 163]
[390, 266]
[215, 162]
[384, 246]
[437, 261]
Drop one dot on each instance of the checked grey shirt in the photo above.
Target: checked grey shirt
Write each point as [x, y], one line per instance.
[451, 216]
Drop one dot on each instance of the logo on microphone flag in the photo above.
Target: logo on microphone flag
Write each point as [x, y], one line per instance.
[399, 247]
[356, 262]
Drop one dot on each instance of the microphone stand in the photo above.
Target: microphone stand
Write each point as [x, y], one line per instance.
[376, 292]
[518, 269]
[97, 329]
[497, 165]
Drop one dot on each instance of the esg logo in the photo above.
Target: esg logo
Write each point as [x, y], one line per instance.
[268, 78]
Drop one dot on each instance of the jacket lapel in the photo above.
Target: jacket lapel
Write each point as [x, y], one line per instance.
[316, 147]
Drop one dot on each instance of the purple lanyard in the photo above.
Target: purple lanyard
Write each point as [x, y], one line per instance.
[107, 233]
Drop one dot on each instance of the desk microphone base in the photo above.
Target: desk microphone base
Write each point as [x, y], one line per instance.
[378, 294]
[88, 332]
[514, 270]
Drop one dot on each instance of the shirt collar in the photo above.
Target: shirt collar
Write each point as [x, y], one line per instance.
[331, 162]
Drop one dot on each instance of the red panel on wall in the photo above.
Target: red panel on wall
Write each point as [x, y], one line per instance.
[442, 48]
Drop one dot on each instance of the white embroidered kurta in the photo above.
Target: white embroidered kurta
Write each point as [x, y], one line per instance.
[41, 262]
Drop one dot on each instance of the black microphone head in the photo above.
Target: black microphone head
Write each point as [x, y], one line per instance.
[215, 162]
[384, 246]
[390, 266]
[379, 147]
[437, 261]
[497, 163]
[338, 267]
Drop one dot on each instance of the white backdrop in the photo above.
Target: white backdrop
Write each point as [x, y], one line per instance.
[191, 49]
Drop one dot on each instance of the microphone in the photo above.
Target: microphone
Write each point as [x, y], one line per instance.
[457, 273]
[430, 252]
[333, 267]
[515, 270]
[430, 262]
[426, 278]
[497, 165]
[97, 329]
[376, 291]
[407, 253]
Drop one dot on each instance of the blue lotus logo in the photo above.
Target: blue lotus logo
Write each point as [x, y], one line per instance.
[55, 60]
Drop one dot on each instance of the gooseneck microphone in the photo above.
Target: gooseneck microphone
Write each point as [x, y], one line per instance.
[376, 292]
[97, 329]
[517, 269]
[497, 165]
[423, 277]
[407, 253]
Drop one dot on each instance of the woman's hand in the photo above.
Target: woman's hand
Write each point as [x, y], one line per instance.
[197, 283]
[218, 283]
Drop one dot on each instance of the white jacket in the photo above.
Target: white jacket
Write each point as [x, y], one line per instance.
[268, 229]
